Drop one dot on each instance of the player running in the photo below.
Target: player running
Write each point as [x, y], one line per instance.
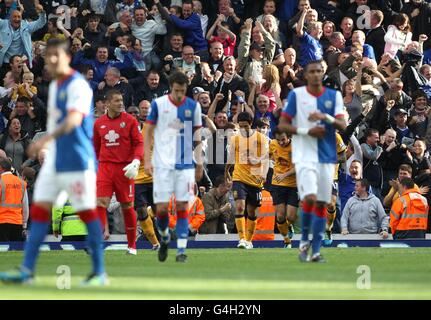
[176, 163]
[283, 191]
[119, 149]
[248, 153]
[69, 166]
[312, 114]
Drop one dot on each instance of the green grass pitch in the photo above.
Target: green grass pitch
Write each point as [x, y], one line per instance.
[401, 273]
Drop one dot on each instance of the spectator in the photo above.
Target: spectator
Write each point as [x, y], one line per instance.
[257, 36]
[144, 110]
[419, 117]
[310, 47]
[226, 37]
[197, 8]
[17, 39]
[230, 81]
[15, 142]
[359, 37]
[289, 72]
[151, 89]
[218, 209]
[419, 12]
[404, 134]
[56, 30]
[398, 35]
[195, 213]
[101, 63]
[113, 81]
[94, 32]
[328, 28]
[376, 35]
[190, 64]
[217, 57]
[271, 25]
[337, 45]
[271, 86]
[100, 106]
[14, 210]
[404, 171]
[146, 31]
[419, 158]
[252, 57]
[347, 29]
[191, 25]
[28, 116]
[409, 213]
[371, 153]
[364, 213]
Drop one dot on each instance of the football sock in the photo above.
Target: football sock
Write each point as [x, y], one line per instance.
[94, 239]
[130, 226]
[330, 219]
[306, 219]
[251, 228]
[182, 230]
[148, 229]
[39, 228]
[240, 226]
[162, 224]
[319, 223]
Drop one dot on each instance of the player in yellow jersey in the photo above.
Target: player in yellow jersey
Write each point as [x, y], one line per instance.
[283, 191]
[143, 199]
[332, 210]
[248, 153]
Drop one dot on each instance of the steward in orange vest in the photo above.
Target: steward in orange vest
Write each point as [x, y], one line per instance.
[13, 204]
[265, 221]
[409, 213]
[196, 214]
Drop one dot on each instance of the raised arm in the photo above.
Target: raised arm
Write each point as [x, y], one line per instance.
[300, 25]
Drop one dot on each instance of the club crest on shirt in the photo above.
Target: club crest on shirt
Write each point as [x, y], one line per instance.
[62, 95]
[122, 124]
[328, 104]
[176, 124]
[188, 113]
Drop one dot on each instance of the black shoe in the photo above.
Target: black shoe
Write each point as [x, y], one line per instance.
[163, 251]
[181, 258]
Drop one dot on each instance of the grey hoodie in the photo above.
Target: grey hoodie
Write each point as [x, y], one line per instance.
[364, 215]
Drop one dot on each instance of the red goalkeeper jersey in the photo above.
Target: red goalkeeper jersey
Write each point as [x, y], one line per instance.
[118, 140]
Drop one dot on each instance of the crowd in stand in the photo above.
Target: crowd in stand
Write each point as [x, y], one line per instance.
[239, 55]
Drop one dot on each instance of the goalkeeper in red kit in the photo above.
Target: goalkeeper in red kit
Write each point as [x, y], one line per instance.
[119, 148]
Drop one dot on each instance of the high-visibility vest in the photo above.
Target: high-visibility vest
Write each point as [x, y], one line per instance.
[12, 195]
[409, 212]
[71, 224]
[196, 213]
[265, 221]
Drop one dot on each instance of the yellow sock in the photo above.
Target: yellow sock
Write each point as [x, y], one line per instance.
[240, 227]
[148, 229]
[330, 220]
[251, 228]
[283, 228]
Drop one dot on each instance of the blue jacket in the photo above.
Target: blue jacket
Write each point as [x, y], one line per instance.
[193, 31]
[99, 67]
[26, 29]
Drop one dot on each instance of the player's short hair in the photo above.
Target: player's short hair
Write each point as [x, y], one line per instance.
[364, 183]
[5, 164]
[244, 116]
[406, 167]
[60, 44]
[179, 78]
[408, 183]
[112, 93]
[313, 62]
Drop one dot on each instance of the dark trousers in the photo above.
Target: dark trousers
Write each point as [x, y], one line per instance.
[10, 232]
[409, 234]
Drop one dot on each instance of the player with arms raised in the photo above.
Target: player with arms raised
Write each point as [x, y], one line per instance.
[175, 163]
[312, 114]
[69, 166]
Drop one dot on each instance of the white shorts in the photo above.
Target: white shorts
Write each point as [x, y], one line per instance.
[168, 181]
[80, 187]
[315, 178]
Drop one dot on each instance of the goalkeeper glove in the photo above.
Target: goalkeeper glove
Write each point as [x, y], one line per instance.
[132, 169]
